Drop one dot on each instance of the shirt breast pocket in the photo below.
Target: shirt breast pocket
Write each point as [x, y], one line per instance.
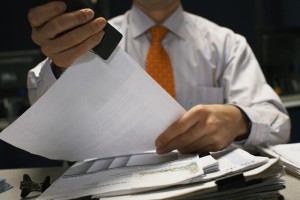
[211, 95]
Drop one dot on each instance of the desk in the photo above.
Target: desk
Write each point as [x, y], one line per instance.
[14, 177]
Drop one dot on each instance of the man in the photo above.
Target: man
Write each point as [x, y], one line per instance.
[216, 75]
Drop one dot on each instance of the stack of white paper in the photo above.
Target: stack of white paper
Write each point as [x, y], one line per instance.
[232, 162]
[134, 178]
[125, 175]
[288, 153]
[261, 182]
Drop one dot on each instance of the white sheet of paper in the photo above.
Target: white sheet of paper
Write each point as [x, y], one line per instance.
[288, 151]
[96, 109]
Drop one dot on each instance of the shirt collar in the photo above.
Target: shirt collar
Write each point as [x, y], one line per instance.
[140, 22]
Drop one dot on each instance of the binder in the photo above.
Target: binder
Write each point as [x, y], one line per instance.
[4, 185]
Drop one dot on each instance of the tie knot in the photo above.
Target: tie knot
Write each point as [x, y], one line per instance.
[158, 32]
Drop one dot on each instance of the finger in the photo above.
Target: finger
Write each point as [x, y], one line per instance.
[208, 148]
[39, 15]
[67, 57]
[67, 22]
[188, 120]
[198, 146]
[61, 24]
[209, 142]
[183, 140]
[74, 37]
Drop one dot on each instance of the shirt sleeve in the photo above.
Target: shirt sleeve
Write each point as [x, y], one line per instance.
[246, 87]
[39, 80]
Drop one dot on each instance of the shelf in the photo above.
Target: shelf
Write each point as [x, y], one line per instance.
[3, 123]
[291, 101]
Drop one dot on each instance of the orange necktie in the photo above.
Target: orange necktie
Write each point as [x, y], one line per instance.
[158, 63]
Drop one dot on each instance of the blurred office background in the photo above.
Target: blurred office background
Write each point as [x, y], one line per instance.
[271, 27]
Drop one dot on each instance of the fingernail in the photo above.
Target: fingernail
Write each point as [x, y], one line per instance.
[158, 151]
[158, 143]
[100, 23]
[89, 13]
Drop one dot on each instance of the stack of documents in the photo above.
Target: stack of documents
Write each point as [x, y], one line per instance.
[150, 176]
[4, 185]
[288, 153]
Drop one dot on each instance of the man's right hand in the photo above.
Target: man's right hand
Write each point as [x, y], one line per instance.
[63, 37]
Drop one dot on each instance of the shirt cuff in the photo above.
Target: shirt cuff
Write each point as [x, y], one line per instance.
[47, 73]
[249, 128]
[255, 137]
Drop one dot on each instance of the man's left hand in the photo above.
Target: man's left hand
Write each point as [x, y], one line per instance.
[204, 128]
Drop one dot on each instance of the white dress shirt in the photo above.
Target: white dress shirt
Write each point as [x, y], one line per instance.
[211, 65]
